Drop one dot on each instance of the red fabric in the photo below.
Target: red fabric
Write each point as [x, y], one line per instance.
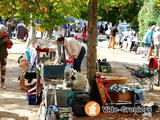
[84, 35]
[18, 35]
[102, 91]
[69, 61]
[153, 63]
[25, 33]
[42, 49]
[76, 37]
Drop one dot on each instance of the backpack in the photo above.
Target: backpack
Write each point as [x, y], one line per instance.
[140, 73]
[104, 66]
[143, 73]
[52, 113]
[153, 63]
[78, 104]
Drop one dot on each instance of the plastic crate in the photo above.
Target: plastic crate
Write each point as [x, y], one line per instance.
[52, 71]
[33, 99]
[62, 96]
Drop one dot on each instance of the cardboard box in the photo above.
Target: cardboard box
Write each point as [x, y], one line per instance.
[128, 96]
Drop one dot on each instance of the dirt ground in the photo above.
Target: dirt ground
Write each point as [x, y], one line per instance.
[13, 102]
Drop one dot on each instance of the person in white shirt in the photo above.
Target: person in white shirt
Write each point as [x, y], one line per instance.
[156, 38]
[75, 51]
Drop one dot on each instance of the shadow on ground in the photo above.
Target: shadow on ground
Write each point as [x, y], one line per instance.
[10, 116]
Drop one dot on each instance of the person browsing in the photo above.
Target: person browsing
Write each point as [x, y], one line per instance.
[74, 50]
[3, 53]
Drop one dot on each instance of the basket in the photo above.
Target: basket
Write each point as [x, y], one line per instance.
[53, 71]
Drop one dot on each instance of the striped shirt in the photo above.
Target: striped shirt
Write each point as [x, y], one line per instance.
[73, 46]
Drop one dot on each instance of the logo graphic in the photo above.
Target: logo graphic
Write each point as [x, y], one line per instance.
[92, 108]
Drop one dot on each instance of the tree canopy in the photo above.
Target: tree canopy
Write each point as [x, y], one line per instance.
[51, 13]
[115, 10]
[148, 15]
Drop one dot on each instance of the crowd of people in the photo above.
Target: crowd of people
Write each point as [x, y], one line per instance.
[15, 28]
[74, 47]
[118, 34]
[78, 32]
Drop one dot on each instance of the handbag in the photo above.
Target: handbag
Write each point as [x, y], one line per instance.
[104, 66]
[153, 63]
[30, 75]
[78, 104]
[138, 94]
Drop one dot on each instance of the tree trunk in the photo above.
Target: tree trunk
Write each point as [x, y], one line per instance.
[92, 52]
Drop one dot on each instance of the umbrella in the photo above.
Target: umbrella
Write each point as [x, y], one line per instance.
[70, 19]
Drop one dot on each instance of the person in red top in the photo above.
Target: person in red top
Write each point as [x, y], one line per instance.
[84, 32]
[101, 29]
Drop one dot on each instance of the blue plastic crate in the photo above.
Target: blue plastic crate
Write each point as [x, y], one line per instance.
[53, 71]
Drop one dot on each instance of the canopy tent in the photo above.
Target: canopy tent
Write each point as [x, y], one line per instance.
[70, 19]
